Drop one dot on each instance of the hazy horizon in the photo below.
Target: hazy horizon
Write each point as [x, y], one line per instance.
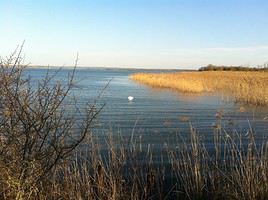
[114, 67]
[184, 34]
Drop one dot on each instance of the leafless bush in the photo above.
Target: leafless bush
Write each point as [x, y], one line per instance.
[36, 132]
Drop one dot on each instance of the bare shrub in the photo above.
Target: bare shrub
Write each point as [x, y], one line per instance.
[37, 134]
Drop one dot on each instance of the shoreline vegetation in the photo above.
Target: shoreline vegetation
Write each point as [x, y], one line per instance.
[47, 153]
[246, 86]
[211, 67]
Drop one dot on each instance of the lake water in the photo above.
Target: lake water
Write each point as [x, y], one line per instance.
[156, 116]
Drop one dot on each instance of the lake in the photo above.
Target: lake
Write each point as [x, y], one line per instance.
[156, 116]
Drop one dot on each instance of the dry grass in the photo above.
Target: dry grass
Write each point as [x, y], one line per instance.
[247, 87]
[234, 167]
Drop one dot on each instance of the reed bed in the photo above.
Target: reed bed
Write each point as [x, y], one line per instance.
[234, 167]
[247, 87]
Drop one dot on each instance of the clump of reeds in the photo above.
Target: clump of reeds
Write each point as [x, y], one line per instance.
[248, 87]
[233, 166]
[224, 166]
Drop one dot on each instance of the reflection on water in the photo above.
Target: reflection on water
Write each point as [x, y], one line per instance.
[157, 115]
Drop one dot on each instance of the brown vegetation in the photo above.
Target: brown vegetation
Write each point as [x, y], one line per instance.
[247, 87]
[37, 133]
[39, 158]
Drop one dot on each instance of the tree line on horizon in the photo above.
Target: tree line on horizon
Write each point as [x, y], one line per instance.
[212, 67]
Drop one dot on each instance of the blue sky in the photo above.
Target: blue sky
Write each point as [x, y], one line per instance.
[136, 33]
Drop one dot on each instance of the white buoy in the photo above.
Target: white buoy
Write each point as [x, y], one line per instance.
[130, 98]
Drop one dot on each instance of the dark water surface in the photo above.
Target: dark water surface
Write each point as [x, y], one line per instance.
[156, 115]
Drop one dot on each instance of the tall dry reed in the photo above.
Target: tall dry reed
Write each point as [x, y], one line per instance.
[247, 87]
[234, 167]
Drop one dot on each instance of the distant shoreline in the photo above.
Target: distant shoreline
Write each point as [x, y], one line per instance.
[108, 68]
